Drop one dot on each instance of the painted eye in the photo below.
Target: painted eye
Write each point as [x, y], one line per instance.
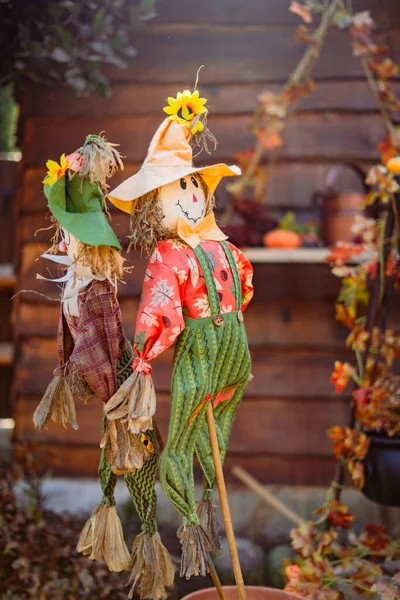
[195, 182]
[66, 237]
[183, 183]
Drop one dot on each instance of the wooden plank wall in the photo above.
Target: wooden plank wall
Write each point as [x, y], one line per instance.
[245, 45]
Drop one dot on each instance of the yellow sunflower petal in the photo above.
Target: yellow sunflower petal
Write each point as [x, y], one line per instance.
[186, 113]
[62, 161]
[169, 110]
[52, 165]
[198, 127]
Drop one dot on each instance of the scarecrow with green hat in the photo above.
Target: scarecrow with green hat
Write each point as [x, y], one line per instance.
[195, 290]
[95, 359]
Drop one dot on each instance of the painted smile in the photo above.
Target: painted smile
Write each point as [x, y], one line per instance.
[187, 215]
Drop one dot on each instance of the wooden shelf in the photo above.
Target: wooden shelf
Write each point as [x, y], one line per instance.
[283, 255]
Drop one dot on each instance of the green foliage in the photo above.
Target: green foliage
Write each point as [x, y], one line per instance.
[288, 222]
[8, 119]
[69, 41]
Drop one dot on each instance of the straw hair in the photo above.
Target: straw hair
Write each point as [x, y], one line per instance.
[103, 261]
[146, 227]
[101, 160]
[201, 140]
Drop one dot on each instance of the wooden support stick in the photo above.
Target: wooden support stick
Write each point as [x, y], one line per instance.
[223, 498]
[217, 583]
[266, 495]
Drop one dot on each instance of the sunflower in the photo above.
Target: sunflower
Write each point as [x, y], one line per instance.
[186, 108]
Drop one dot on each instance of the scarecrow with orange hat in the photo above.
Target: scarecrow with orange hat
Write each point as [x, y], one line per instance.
[195, 290]
[95, 358]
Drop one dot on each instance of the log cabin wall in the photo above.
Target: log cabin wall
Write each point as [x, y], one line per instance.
[246, 46]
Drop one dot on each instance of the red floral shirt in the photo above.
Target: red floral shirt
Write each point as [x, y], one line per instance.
[174, 287]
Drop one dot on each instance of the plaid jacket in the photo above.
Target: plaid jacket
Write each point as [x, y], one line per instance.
[93, 341]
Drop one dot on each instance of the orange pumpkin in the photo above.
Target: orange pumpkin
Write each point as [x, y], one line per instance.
[281, 238]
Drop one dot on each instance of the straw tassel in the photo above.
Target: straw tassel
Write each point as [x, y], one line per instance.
[57, 404]
[102, 539]
[123, 450]
[135, 402]
[152, 569]
[195, 551]
[208, 520]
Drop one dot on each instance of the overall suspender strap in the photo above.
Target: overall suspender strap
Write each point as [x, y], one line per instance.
[209, 280]
[235, 275]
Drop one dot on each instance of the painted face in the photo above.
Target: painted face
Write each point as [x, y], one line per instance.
[183, 198]
[69, 244]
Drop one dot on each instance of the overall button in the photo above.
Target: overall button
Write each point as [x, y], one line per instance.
[218, 320]
[240, 316]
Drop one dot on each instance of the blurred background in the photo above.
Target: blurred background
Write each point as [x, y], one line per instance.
[100, 68]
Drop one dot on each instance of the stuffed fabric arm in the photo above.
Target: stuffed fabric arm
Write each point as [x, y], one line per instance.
[98, 345]
[160, 320]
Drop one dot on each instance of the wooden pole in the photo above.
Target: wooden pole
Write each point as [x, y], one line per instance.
[266, 496]
[223, 498]
[217, 583]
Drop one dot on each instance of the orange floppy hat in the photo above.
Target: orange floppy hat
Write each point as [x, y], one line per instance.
[169, 158]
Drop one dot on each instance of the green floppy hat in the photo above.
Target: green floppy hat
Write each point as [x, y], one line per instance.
[77, 204]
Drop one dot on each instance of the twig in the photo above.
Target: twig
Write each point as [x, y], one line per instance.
[382, 107]
[265, 495]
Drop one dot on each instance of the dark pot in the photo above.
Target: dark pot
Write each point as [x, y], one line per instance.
[382, 470]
